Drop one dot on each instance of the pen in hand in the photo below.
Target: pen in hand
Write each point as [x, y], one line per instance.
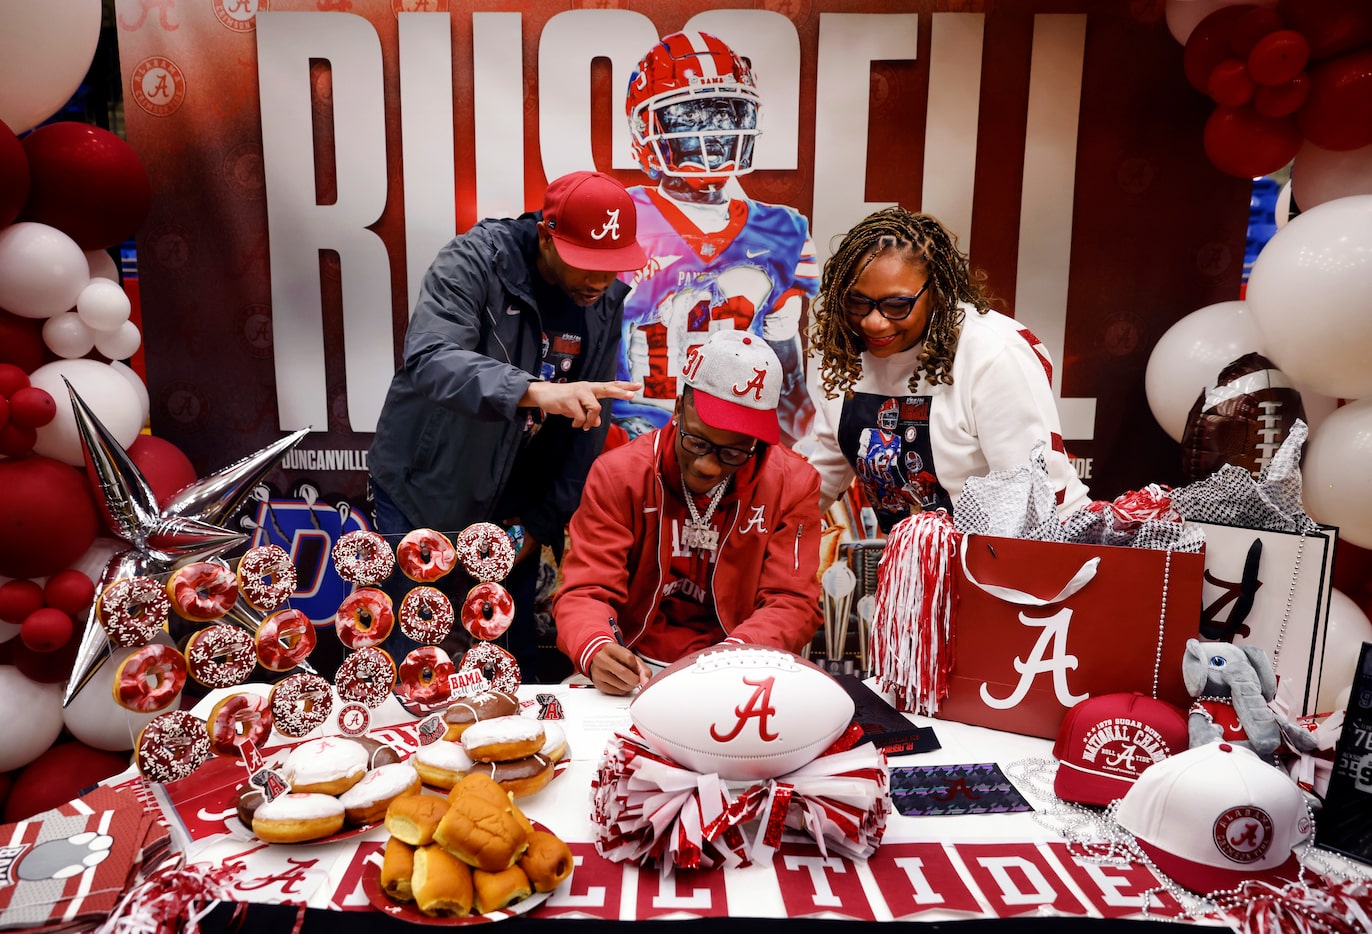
[619, 640]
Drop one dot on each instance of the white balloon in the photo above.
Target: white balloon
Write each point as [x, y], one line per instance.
[67, 335]
[121, 343]
[102, 265]
[1317, 407]
[42, 270]
[124, 370]
[1187, 360]
[1319, 175]
[1337, 472]
[1281, 212]
[1183, 15]
[103, 305]
[33, 721]
[1348, 629]
[45, 51]
[1308, 293]
[94, 718]
[108, 394]
[92, 563]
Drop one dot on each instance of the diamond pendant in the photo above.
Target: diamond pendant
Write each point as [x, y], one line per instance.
[699, 535]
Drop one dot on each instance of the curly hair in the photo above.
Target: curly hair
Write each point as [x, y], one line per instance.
[924, 240]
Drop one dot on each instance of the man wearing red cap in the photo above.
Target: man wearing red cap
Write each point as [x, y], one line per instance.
[703, 531]
[495, 413]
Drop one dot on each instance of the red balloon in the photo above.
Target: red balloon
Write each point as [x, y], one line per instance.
[1338, 114]
[16, 440]
[1230, 83]
[21, 345]
[1278, 57]
[164, 466]
[1332, 27]
[1241, 142]
[1282, 100]
[1252, 26]
[1209, 44]
[86, 182]
[18, 599]
[14, 175]
[12, 379]
[4, 411]
[46, 630]
[47, 516]
[59, 775]
[43, 667]
[32, 407]
[69, 591]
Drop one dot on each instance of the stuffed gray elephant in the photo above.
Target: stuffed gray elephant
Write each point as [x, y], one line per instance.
[1232, 685]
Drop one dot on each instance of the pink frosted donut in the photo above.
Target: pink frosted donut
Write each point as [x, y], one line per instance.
[236, 720]
[203, 591]
[149, 679]
[364, 618]
[221, 656]
[284, 640]
[426, 615]
[363, 558]
[132, 610]
[367, 677]
[300, 704]
[495, 664]
[266, 577]
[425, 555]
[486, 551]
[488, 611]
[424, 676]
[172, 746]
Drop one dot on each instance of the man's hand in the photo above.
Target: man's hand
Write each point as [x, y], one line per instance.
[579, 401]
[616, 670]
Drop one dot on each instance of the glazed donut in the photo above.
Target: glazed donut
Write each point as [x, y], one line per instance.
[547, 862]
[497, 890]
[520, 777]
[397, 866]
[426, 615]
[329, 765]
[503, 739]
[300, 704]
[485, 551]
[441, 883]
[425, 676]
[555, 743]
[150, 678]
[488, 611]
[414, 818]
[442, 764]
[367, 801]
[221, 656]
[132, 610]
[284, 640]
[203, 591]
[298, 817]
[173, 745]
[236, 720]
[363, 558]
[497, 665]
[425, 555]
[367, 677]
[364, 618]
[474, 708]
[260, 565]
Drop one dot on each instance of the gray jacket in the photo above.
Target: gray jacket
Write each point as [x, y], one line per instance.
[448, 434]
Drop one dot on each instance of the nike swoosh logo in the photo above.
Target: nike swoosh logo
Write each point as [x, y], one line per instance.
[754, 254]
[512, 310]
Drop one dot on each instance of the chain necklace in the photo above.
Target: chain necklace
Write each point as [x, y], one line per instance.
[698, 532]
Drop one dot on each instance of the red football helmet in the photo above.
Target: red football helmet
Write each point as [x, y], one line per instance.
[693, 109]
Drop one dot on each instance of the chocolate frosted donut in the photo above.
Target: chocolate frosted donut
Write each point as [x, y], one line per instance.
[520, 777]
[378, 753]
[250, 798]
[477, 707]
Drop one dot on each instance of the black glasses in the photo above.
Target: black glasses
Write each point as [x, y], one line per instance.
[729, 457]
[858, 306]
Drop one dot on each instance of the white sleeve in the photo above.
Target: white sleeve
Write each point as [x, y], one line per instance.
[822, 451]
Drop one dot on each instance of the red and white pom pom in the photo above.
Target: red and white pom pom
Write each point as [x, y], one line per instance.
[173, 900]
[916, 605]
[1132, 509]
[1315, 906]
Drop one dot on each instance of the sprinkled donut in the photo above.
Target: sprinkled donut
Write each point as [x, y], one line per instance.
[266, 577]
[171, 746]
[221, 656]
[203, 591]
[496, 664]
[486, 551]
[425, 676]
[300, 704]
[365, 617]
[150, 678]
[284, 640]
[363, 558]
[367, 676]
[425, 555]
[237, 720]
[426, 615]
[132, 610]
[488, 611]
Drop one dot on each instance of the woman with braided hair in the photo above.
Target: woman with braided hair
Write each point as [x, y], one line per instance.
[923, 384]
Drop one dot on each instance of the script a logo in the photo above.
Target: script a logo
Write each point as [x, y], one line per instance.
[1041, 662]
[758, 707]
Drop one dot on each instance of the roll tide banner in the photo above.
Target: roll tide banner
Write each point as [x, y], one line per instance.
[309, 158]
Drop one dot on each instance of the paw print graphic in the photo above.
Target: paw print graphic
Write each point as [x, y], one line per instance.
[62, 859]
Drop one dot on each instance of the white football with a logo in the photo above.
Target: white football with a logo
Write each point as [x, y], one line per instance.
[741, 711]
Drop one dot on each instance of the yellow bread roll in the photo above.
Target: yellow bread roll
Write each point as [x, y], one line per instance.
[442, 885]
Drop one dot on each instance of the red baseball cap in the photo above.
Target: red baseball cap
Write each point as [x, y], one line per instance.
[1106, 742]
[593, 222]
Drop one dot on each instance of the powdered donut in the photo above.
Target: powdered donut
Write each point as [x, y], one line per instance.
[473, 708]
[298, 817]
[284, 640]
[520, 777]
[425, 555]
[203, 591]
[149, 679]
[503, 738]
[486, 551]
[554, 742]
[367, 801]
[266, 577]
[132, 610]
[300, 704]
[172, 746]
[364, 618]
[363, 558]
[488, 611]
[221, 656]
[425, 676]
[426, 615]
[367, 676]
[497, 665]
[329, 765]
[442, 764]
[236, 720]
